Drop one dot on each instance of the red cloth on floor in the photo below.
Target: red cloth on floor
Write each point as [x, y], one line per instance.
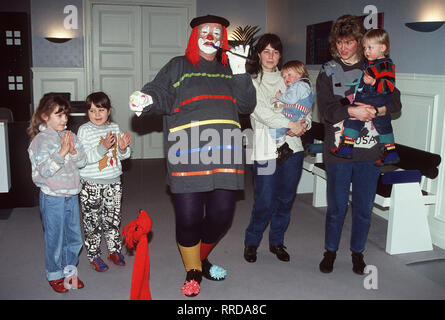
[135, 234]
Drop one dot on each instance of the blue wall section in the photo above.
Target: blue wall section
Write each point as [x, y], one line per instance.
[239, 13]
[47, 16]
[412, 52]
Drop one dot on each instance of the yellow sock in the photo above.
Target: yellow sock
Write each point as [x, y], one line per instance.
[191, 257]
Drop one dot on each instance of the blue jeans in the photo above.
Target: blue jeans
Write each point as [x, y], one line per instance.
[364, 177]
[274, 195]
[63, 239]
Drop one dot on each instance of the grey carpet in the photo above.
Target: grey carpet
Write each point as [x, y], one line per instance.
[5, 213]
[432, 269]
[22, 268]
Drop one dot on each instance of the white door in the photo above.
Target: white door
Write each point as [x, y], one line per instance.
[117, 57]
[129, 45]
[165, 35]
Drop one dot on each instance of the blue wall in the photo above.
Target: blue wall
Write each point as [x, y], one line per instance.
[46, 16]
[239, 13]
[412, 52]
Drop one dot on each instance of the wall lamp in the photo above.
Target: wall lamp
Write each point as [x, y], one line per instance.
[57, 40]
[426, 26]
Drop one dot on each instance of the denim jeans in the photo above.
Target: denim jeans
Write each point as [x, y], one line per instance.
[364, 177]
[63, 239]
[274, 195]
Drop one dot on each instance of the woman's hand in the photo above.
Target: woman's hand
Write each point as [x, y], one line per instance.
[109, 140]
[362, 112]
[123, 141]
[297, 128]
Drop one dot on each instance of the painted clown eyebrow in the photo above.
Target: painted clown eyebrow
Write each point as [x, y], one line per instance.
[217, 32]
[205, 30]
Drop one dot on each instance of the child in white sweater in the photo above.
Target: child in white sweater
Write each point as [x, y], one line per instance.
[100, 198]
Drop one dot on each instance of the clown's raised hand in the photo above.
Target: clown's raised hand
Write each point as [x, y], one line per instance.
[238, 64]
[138, 101]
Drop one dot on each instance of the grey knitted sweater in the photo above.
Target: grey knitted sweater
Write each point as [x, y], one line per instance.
[201, 127]
[332, 88]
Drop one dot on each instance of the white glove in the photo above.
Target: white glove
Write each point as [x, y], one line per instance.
[238, 64]
[138, 101]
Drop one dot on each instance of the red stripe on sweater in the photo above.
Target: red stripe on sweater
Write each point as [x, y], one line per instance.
[390, 86]
[385, 73]
[206, 96]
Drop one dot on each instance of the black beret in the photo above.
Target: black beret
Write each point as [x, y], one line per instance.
[209, 19]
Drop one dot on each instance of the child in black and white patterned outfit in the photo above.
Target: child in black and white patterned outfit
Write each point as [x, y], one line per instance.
[100, 198]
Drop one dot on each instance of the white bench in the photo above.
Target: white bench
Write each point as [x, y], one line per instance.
[408, 227]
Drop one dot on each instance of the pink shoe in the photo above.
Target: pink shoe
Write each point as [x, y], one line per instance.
[192, 287]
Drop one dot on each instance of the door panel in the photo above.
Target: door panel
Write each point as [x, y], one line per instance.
[165, 36]
[129, 45]
[117, 51]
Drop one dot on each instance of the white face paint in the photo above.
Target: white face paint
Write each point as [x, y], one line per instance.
[209, 36]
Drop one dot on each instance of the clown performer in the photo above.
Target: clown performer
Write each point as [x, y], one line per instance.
[200, 98]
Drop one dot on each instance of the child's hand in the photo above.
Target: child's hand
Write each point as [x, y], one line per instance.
[123, 141]
[71, 141]
[368, 79]
[277, 94]
[65, 144]
[109, 140]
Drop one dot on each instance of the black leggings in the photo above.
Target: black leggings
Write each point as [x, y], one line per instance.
[191, 224]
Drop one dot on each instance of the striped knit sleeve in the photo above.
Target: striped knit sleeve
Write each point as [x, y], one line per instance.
[94, 151]
[384, 74]
[161, 88]
[245, 93]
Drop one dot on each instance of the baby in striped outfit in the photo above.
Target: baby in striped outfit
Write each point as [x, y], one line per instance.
[100, 198]
[297, 99]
